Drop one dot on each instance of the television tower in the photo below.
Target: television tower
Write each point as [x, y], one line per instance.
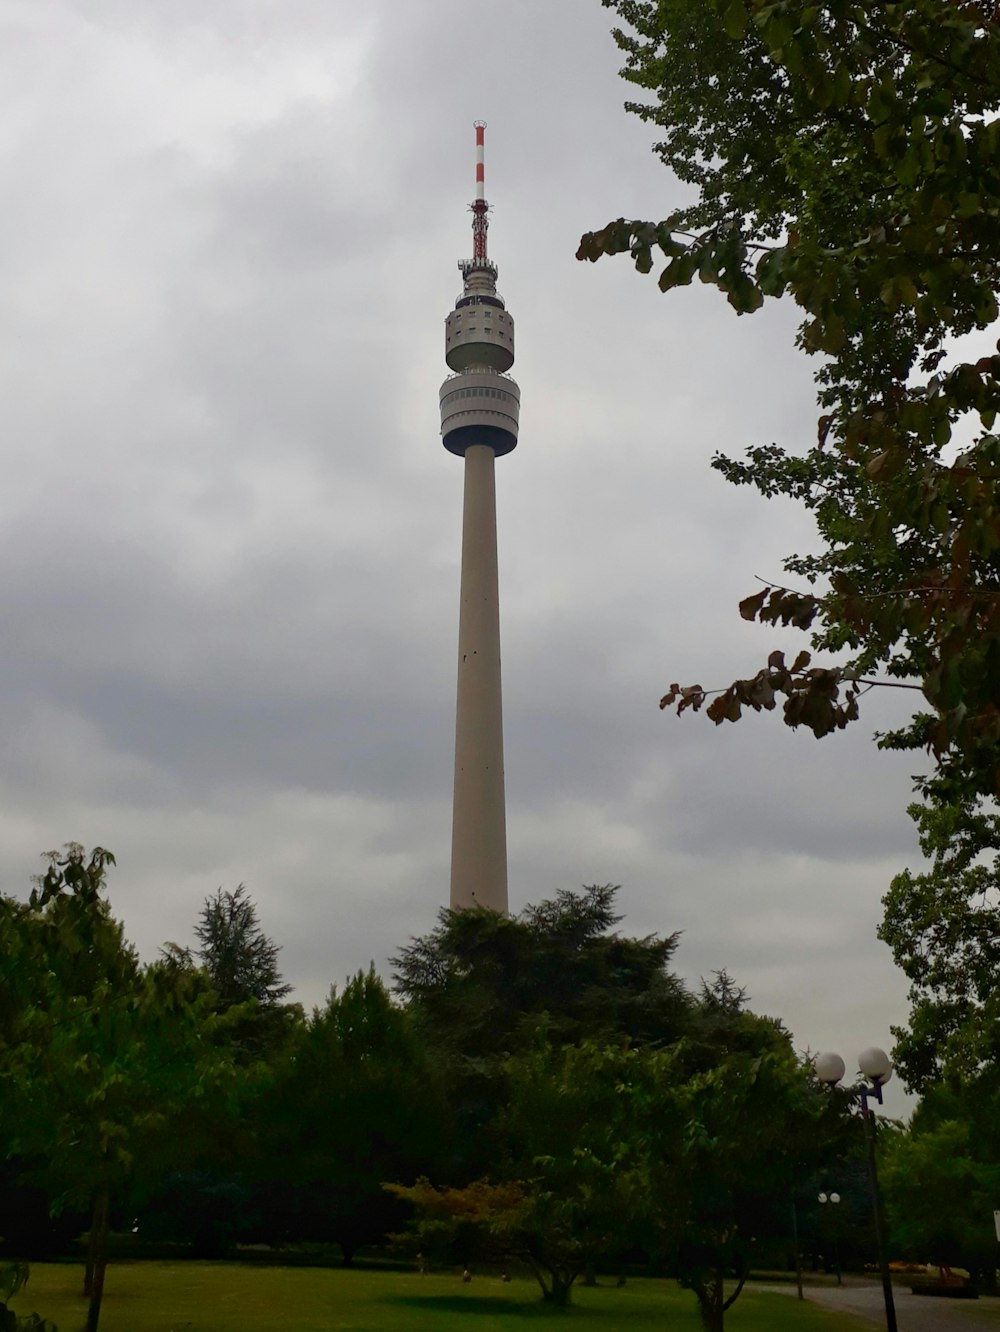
[479, 417]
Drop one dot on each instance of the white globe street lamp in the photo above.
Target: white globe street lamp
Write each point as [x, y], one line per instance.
[834, 1198]
[875, 1066]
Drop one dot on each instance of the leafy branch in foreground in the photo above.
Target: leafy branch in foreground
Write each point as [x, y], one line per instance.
[812, 695]
[847, 154]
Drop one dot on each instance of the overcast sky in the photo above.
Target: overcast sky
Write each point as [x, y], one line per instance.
[230, 534]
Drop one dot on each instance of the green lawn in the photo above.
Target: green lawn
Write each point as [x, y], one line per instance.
[230, 1297]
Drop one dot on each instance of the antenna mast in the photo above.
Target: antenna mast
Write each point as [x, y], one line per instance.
[480, 209]
[480, 217]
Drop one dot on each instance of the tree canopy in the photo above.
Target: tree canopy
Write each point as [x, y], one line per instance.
[108, 1067]
[943, 927]
[847, 154]
[480, 983]
[241, 962]
[240, 958]
[355, 1103]
[940, 1194]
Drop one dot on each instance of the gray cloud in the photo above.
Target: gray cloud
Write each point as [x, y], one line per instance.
[229, 535]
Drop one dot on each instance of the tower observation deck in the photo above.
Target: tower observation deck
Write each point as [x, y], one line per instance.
[480, 408]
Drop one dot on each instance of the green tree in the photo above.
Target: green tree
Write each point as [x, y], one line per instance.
[568, 1135]
[480, 984]
[354, 1104]
[242, 964]
[241, 960]
[845, 153]
[940, 1195]
[724, 1145]
[211, 1201]
[565, 1188]
[607, 1146]
[943, 927]
[109, 1067]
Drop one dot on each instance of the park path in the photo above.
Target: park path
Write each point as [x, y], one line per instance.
[914, 1313]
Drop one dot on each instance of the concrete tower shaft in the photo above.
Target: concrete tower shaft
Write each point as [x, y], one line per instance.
[480, 412]
[479, 812]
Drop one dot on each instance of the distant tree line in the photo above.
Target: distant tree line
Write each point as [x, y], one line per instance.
[540, 1090]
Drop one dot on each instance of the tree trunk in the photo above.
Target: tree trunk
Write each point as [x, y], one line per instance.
[561, 1289]
[589, 1275]
[99, 1243]
[88, 1271]
[710, 1305]
[539, 1276]
[712, 1301]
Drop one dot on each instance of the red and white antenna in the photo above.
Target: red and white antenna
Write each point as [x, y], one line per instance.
[480, 168]
[480, 208]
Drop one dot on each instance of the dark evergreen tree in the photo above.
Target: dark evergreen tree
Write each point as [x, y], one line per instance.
[241, 962]
[212, 1202]
[481, 985]
[240, 958]
[355, 1104]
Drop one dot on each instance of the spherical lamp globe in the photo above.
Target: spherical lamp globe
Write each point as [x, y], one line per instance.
[829, 1067]
[875, 1065]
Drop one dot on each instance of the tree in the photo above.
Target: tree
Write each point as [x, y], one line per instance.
[723, 1144]
[846, 153]
[109, 1068]
[68, 966]
[606, 1146]
[940, 1195]
[237, 954]
[565, 1188]
[481, 984]
[943, 927]
[474, 1222]
[210, 1201]
[354, 1104]
[242, 963]
[568, 1137]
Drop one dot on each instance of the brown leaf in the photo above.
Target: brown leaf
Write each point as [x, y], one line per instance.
[750, 606]
[717, 708]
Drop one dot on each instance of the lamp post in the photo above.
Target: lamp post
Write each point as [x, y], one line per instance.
[833, 1198]
[875, 1066]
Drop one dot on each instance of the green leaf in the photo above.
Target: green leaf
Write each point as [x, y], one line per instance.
[734, 20]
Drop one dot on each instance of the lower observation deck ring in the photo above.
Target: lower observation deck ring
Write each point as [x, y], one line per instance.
[463, 437]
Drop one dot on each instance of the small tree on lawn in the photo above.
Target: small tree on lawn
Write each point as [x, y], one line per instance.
[109, 1068]
[718, 1141]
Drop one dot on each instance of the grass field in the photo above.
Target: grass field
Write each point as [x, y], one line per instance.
[230, 1297]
